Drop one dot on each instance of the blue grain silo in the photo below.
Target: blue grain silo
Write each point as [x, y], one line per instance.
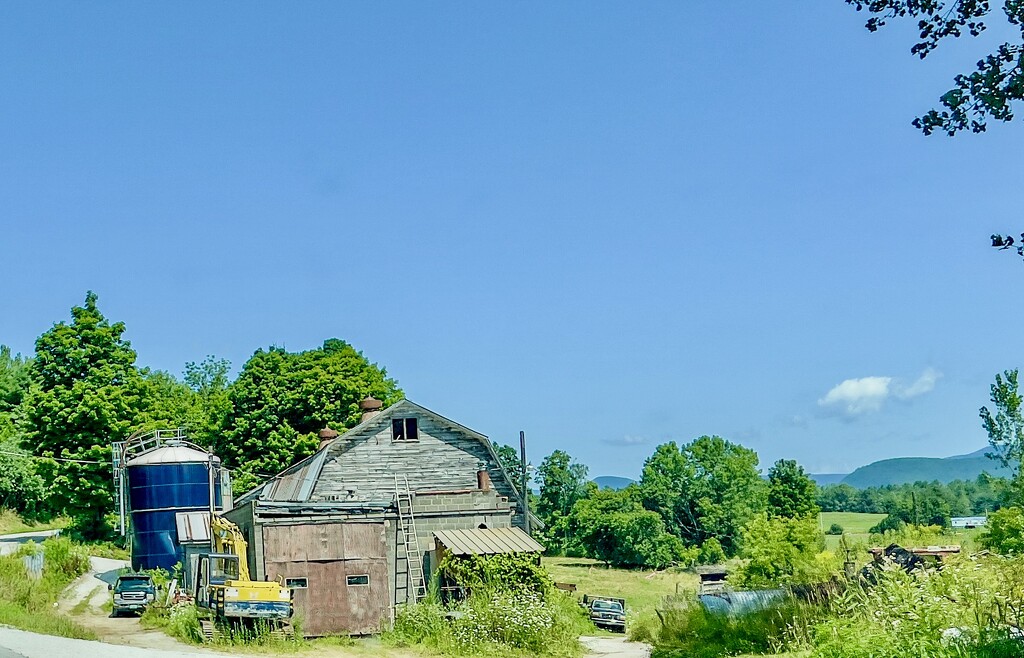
[162, 482]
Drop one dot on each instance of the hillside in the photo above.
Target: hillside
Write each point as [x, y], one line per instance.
[912, 469]
[612, 482]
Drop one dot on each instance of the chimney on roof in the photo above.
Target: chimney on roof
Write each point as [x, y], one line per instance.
[326, 435]
[370, 406]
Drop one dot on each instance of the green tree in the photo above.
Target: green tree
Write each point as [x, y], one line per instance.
[1005, 427]
[562, 482]
[282, 399]
[988, 92]
[614, 527]
[14, 379]
[85, 393]
[510, 461]
[1005, 532]
[791, 493]
[707, 488]
[782, 551]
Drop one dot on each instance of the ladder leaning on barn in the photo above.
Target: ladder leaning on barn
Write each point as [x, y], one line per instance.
[408, 542]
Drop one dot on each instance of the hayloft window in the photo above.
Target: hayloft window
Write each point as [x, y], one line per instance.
[404, 429]
[362, 579]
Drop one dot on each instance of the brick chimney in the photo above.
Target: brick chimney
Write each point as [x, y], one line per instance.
[370, 406]
[326, 435]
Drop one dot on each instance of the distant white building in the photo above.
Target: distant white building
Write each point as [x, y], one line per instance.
[969, 522]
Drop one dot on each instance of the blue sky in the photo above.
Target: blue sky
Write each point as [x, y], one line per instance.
[606, 224]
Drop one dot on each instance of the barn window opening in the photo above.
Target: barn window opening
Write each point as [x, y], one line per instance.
[361, 579]
[296, 583]
[404, 429]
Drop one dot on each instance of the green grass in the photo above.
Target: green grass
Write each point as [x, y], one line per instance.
[643, 590]
[11, 524]
[42, 621]
[855, 526]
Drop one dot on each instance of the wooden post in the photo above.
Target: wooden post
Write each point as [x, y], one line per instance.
[526, 490]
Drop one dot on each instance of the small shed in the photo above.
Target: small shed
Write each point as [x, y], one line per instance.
[194, 538]
[712, 579]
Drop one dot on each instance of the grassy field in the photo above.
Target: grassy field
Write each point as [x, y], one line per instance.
[11, 523]
[643, 590]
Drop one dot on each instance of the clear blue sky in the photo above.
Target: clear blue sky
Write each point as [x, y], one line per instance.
[606, 224]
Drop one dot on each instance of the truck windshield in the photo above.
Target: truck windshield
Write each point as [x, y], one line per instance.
[133, 584]
[610, 606]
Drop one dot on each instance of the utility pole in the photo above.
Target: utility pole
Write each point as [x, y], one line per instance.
[526, 490]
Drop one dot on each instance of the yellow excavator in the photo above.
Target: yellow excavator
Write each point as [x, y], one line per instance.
[226, 591]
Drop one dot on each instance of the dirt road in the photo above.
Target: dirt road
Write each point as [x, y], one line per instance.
[615, 647]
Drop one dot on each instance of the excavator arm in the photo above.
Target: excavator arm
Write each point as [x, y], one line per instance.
[228, 538]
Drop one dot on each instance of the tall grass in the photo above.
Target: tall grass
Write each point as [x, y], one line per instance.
[27, 603]
[492, 622]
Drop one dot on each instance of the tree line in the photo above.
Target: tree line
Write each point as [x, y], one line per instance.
[920, 503]
[82, 389]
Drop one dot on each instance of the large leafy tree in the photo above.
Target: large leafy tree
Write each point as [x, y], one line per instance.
[562, 481]
[991, 90]
[612, 526]
[282, 399]
[791, 492]
[709, 488]
[85, 393]
[14, 379]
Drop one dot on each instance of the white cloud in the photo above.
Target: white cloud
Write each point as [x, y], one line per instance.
[867, 394]
[923, 384]
[858, 396]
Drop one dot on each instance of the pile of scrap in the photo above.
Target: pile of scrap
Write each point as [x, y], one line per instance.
[908, 559]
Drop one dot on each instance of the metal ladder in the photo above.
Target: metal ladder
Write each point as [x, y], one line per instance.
[409, 540]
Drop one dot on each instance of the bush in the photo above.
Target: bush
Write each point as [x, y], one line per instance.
[834, 529]
[494, 621]
[695, 632]
[28, 602]
[518, 571]
[783, 551]
[1005, 532]
[711, 552]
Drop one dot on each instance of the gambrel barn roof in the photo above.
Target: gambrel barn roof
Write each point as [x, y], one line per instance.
[297, 483]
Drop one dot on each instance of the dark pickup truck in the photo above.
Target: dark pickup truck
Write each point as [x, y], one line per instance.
[607, 613]
[132, 593]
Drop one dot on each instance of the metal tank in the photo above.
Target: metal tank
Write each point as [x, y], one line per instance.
[163, 477]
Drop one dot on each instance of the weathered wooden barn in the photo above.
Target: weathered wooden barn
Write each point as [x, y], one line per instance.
[352, 527]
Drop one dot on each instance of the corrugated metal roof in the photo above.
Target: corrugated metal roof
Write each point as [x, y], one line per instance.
[193, 526]
[487, 541]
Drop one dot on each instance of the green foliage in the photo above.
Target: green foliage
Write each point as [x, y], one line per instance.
[21, 488]
[500, 572]
[282, 399]
[891, 523]
[1005, 532]
[562, 481]
[27, 603]
[912, 614]
[693, 632]
[708, 488]
[791, 493]
[711, 552]
[783, 551]
[932, 502]
[1005, 427]
[509, 459]
[998, 81]
[489, 622]
[834, 529]
[85, 392]
[614, 527]
[14, 379]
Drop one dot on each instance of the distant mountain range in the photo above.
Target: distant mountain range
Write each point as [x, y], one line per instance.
[900, 470]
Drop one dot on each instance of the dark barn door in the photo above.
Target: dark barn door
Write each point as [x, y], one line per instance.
[339, 571]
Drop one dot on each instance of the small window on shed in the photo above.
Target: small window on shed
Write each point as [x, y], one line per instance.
[296, 583]
[404, 429]
[361, 579]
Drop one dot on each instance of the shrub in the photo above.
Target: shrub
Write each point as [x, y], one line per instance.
[695, 632]
[1005, 531]
[711, 552]
[517, 571]
[834, 529]
[782, 551]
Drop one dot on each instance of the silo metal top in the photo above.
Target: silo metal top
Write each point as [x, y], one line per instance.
[171, 454]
